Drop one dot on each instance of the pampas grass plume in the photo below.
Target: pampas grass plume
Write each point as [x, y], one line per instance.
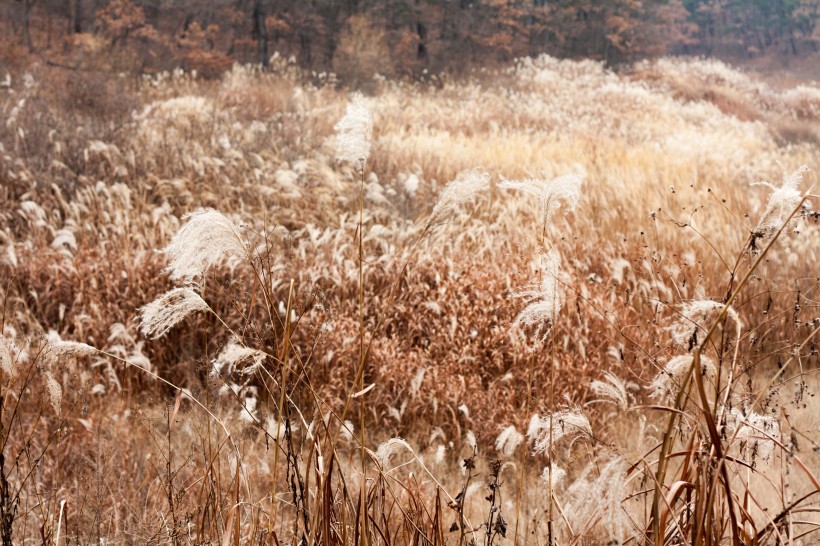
[207, 238]
[565, 424]
[6, 360]
[666, 383]
[612, 390]
[693, 318]
[458, 193]
[162, 314]
[55, 393]
[354, 131]
[545, 302]
[390, 448]
[550, 193]
[508, 440]
[782, 201]
[235, 354]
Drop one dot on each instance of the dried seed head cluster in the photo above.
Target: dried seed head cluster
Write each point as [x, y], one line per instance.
[550, 193]
[757, 434]
[6, 358]
[555, 472]
[693, 321]
[458, 193]
[389, 448]
[207, 238]
[613, 390]
[782, 201]
[599, 493]
[55, 392]
[508, 441]
[354, 131]
[565, 424]
[162, 314]
[666, 384]
[57, 350]
[235, 354]
[545, 302]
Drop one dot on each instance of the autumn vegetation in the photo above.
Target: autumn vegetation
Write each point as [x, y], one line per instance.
[356, 39]
[532, 300]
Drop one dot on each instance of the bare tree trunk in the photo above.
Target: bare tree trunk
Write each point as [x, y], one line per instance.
[27, 4]
[260, 32]
[78, 16]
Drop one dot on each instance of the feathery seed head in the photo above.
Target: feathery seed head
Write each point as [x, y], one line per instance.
[6, 359]
[440, 452]
[756, 433]
[390, 448]
[277, 429]
[601, 496]
[458, 193]
[207, 238]
[567, 423]
[612, 390]
[782, 201]
[235, 354]
[669, 379]
[162, 314]
[508, 440]
[550, 193]
[58, 350]
[347, 431]
[533, 427]
[693, 317]
[471, 440]
[248, 411]
[558, 475]
[545, 301]
[354, 131]
[55, 392]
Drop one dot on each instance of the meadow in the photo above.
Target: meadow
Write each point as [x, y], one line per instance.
[551, 304]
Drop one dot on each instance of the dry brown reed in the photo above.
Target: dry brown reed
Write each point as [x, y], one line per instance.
[388, 283]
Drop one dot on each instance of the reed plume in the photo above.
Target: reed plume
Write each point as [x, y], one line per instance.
[159, 316]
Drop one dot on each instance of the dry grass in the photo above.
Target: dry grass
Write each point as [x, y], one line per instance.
[150, 446]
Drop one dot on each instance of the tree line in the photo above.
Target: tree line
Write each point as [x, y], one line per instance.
[357, 38]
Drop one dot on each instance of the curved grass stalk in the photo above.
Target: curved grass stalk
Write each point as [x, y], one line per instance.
[668, 435]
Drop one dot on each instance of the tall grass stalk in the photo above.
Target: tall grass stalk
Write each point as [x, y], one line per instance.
[673, 417]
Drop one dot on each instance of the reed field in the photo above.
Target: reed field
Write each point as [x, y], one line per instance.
[546, 304]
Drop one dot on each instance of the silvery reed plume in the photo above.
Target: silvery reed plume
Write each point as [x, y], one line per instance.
[207, 238]
[159, 316]
[354, 132]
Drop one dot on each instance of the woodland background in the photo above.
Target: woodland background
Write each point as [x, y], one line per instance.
[356, 39]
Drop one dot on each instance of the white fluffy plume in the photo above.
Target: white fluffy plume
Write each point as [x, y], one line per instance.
[458, 193]
[389, 448]
[612, 390]
[550, 193]
[233, 355]
[545, 301]
[58, 350]
[508, 440]
[55, 392]
[670, 378]
[565, 424]
[163, 313]
[6, 359]
[558, 475]
[693, 320]
[782, 201]
[353, 132]
[207, 238]
[756, 433]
